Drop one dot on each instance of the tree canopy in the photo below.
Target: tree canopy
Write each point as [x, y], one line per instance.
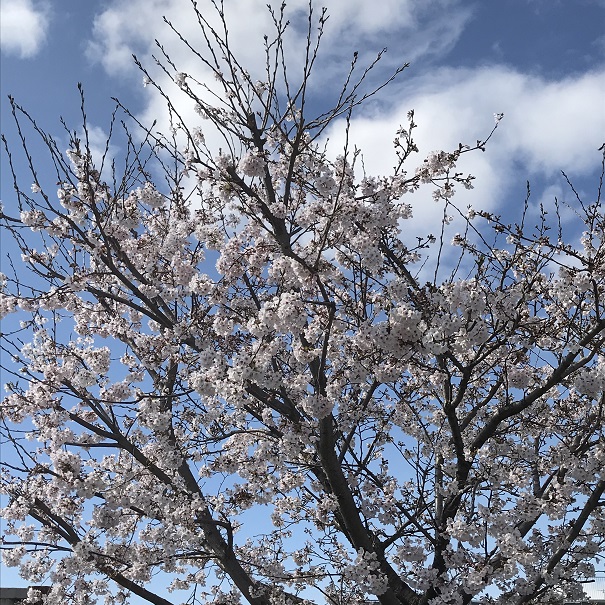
[244, 372]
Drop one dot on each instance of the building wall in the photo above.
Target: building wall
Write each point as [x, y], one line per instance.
[13, 596]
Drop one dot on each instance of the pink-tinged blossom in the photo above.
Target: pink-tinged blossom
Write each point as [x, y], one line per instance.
[253, 164]
[150, 196]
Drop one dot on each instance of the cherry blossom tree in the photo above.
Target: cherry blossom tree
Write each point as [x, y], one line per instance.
[243, 371]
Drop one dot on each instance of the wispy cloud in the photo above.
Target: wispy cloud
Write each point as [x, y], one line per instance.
[23, 27]
[411, 28]
[548, 126]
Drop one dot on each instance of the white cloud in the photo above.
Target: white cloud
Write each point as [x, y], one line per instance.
[23, 27]
[411, 28]
[128, 28]
[549, 125]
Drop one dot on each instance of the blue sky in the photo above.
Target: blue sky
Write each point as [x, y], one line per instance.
[540, 62]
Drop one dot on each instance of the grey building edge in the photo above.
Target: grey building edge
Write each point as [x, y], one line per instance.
[13, 596]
